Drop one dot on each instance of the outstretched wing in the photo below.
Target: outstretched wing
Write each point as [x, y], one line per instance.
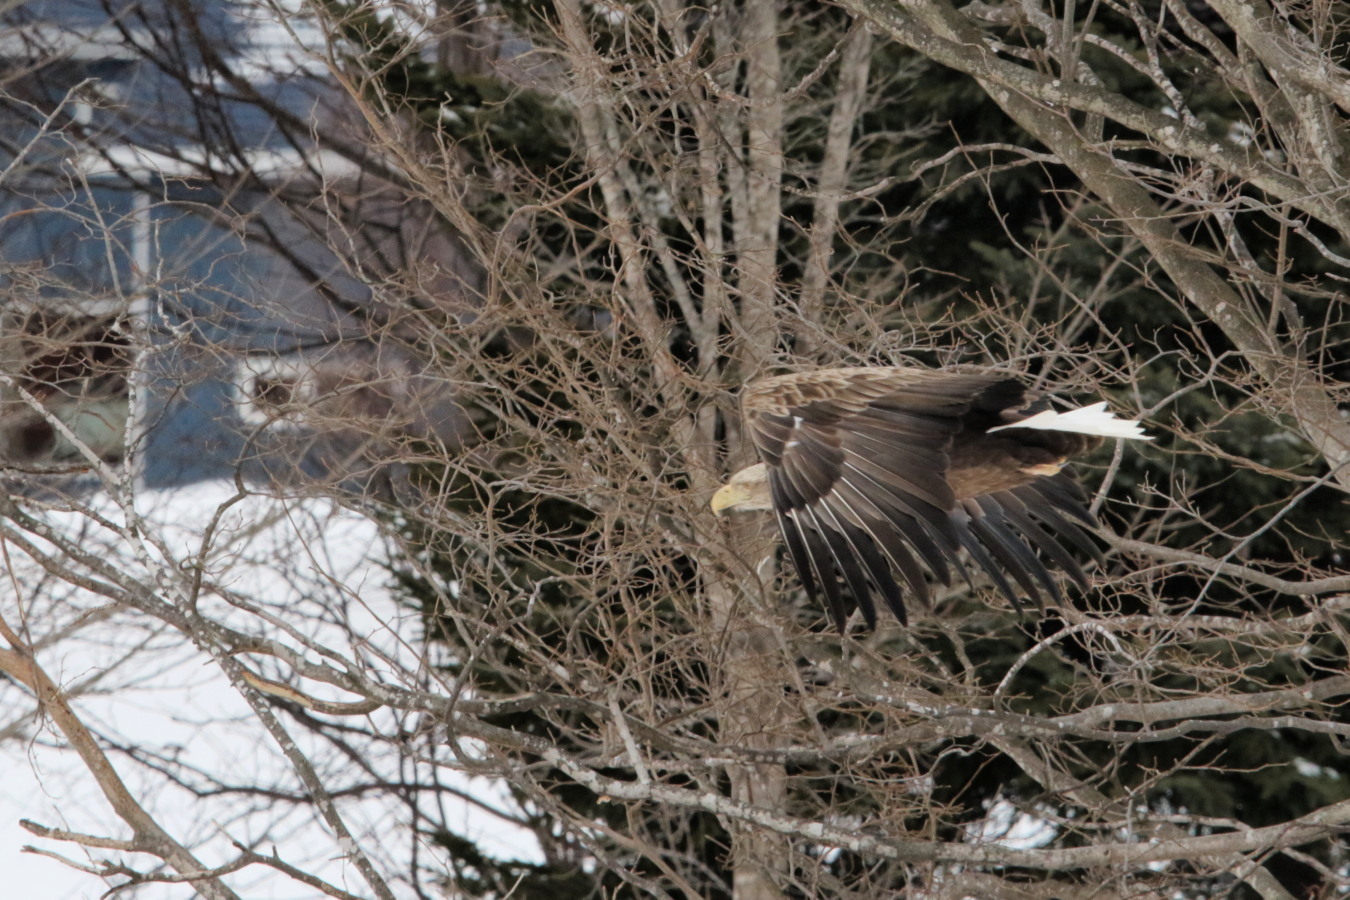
[860, 466]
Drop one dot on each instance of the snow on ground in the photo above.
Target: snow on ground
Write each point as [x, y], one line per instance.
[312, 564]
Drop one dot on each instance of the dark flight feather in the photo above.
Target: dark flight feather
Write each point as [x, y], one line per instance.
[872, 470]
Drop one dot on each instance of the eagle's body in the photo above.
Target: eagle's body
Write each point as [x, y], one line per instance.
[871, 470]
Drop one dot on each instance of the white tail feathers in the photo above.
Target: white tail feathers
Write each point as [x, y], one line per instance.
[1094, 419]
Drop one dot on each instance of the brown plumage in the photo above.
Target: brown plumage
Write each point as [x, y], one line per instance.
[877, 471]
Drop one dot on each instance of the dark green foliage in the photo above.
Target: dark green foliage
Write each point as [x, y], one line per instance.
[526, 563]
[475, 875]
[486, 117]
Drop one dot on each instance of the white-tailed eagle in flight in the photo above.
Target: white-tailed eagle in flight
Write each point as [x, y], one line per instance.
[872, 471]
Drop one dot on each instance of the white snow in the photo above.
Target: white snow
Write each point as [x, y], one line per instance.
[313, 565]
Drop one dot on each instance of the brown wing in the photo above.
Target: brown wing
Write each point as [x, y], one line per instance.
[861, 477]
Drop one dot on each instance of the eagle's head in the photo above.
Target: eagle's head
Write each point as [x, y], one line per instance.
[747, 490]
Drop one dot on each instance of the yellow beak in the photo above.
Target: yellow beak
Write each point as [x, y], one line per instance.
[727, 496]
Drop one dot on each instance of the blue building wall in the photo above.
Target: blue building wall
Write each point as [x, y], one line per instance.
[76, 229]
